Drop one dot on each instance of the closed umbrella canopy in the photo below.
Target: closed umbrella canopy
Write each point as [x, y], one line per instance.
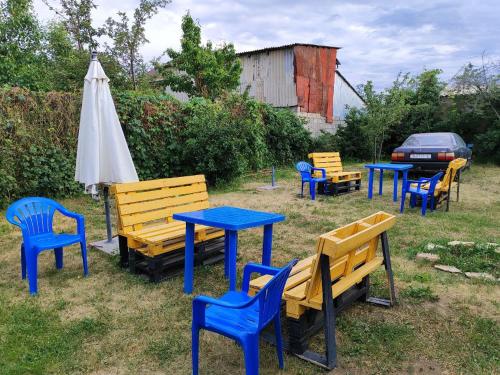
[103, 155]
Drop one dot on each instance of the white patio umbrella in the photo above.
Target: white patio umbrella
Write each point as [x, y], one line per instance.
[102, 156]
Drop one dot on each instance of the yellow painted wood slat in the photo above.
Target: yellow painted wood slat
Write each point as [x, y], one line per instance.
[163, 213]
[322, 154]
[156, 184]
[162, 203]
[336, 248]
[148, 195]
[345, 283]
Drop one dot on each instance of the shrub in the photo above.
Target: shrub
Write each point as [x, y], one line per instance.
[221, 139]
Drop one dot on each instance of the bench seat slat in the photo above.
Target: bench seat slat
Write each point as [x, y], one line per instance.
[345, 283]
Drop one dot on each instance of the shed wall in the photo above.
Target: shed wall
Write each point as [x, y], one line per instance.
[270, 77]
[315, 75]
[343, 96]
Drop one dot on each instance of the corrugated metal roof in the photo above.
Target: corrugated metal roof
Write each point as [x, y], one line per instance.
[286, 46]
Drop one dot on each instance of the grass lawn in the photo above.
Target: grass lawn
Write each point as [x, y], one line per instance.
[115, 323]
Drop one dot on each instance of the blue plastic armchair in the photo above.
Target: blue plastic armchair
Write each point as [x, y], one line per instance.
[241, 317]
[35, 218]
[306, 171]
[423, 187]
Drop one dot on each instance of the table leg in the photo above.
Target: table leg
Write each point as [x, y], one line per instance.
[380, 182]
[395, 192]
[370, 183]
[267, 245]
[233, 248]
[405, 178]
[189, 259]
[226, 254]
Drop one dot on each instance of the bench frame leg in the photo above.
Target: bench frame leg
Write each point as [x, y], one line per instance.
[330, 309]
[123, 246]
[390, 276]
[329, 360]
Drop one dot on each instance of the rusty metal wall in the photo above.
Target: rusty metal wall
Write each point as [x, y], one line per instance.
[315, 74]
[270, 76]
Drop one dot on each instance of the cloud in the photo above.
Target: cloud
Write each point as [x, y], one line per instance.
[379, 38]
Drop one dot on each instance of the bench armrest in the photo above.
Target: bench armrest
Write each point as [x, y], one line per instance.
[254, 267]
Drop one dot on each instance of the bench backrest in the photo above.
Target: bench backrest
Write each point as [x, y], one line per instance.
[330, 161]
[350, 248]
[452, 170]
[142, 203]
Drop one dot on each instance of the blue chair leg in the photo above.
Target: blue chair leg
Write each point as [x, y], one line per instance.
[424, 204]
[279, 340]
[413, 200]
[312, 189]
[23, 262]
[32, 266]
[302, 190]
[195, 348]
[251, 350]
[58, 253]
[432, 203]
[83, 246]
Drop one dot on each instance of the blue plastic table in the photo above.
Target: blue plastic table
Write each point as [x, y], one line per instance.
[231, 219]
[392, 167]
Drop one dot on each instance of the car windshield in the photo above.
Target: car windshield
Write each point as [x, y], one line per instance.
[422, 140]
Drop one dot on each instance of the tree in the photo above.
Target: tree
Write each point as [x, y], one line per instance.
[22, 61]
[200, 70]
[484, 81]
[383, 111]
[127, 38]
[77, 19]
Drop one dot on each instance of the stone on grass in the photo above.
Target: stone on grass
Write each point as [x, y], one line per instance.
[428, 256]
[461, 243]
[480, 275]
[445, 268]
[432, 246]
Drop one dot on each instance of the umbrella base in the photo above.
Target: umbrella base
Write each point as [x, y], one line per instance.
[107, 247]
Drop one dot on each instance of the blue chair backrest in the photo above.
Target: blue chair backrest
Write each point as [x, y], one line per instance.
[433, 182]
[33, 215]
[304, 169]
[270, 296]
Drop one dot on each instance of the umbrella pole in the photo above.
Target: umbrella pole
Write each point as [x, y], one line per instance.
[108, 216]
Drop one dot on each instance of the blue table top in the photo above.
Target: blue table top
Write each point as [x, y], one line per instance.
[232, 218]
[394, 167]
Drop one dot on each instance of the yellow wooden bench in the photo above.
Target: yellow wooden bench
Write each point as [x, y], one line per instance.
[344, 259]
[145, 211]
[340, 180]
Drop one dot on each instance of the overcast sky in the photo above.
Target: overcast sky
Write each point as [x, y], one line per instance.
[378, 38]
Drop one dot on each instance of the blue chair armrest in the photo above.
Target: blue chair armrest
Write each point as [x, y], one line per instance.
[254, 267]
[323, 171]
[200, 303]
[80, 219]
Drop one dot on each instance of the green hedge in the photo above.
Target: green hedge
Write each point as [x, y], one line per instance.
[221, 139]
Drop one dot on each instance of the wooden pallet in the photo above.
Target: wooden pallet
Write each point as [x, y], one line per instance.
[166, 265]
[337, 188]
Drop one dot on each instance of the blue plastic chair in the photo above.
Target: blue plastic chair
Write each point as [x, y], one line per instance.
[306, 171]
[423, 187]
[240, 317]
[35, 218]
